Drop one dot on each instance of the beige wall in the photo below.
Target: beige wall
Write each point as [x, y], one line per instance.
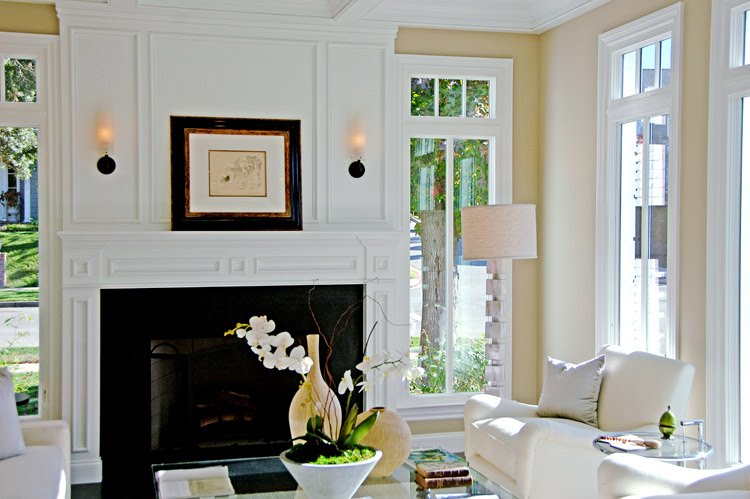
[28, 18]
[524, 50]
[568, 183]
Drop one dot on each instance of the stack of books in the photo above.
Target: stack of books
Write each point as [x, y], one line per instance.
[438, 475]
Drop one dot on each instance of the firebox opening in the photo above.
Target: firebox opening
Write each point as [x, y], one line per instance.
[174, 389]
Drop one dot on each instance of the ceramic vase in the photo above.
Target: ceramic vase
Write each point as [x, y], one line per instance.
[330, 481]
[390, 434]
[314, 397]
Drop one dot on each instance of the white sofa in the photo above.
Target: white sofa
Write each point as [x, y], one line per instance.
[540, 458]
[635, 477]
[43, 470]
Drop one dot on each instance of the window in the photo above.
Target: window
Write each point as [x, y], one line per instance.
[728, 235]
[456, 136]
[637, 198]
[26, 150]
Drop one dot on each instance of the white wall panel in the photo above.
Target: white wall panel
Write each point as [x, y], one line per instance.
[356, 94]
[233, 78]
[105, 83]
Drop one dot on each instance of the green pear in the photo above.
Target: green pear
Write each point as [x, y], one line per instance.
[667, 423]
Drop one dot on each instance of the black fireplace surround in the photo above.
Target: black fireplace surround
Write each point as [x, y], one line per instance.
[173, 388]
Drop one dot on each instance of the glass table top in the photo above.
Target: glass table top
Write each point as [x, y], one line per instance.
[267, 478]
[678, 448]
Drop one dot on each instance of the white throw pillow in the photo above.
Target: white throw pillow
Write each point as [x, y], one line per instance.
[11, 438]
[572, 390]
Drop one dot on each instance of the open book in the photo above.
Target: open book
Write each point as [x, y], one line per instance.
[198, 482]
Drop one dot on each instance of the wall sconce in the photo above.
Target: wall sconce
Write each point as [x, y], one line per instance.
[105, 138]
[357, 143]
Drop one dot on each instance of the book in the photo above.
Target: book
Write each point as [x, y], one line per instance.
[434, 455]
[442, 469]
[441, 482]
[198, 482]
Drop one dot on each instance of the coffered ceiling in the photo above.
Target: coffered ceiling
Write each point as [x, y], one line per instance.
[528, 16]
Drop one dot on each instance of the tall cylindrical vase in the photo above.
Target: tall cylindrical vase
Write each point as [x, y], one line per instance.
[314, 397]
[390, 434]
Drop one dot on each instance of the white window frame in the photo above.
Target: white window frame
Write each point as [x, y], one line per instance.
[499, 127]
[613, 111]
[729, 84]
[44, 115]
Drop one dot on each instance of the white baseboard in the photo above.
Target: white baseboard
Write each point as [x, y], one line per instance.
[452, 441]
[86, 471]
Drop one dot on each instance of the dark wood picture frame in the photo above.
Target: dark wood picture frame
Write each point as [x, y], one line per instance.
[233, 210]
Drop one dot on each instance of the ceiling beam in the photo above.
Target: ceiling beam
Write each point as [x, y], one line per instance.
[354, 10]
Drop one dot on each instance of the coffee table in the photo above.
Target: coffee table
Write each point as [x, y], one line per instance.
[266, 478]
[679, 449]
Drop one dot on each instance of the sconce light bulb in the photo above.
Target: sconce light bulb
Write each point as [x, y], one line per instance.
[105, 135]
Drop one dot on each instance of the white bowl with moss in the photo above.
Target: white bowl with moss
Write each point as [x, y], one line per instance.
[330, 481]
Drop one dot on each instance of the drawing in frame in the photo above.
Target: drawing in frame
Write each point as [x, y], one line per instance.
[235, 174]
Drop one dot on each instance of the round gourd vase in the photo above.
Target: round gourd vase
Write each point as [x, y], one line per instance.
[390, 434]
[314, 397]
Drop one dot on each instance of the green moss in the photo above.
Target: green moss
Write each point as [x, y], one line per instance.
[301, 454]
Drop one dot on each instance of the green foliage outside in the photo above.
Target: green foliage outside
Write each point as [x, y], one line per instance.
[19, 145]
[28, 383]
[22, 260]
[469, 361]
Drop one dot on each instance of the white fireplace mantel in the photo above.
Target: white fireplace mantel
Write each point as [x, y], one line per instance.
[97, 260]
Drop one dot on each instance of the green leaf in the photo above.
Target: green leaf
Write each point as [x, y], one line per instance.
[315, 423]
[348, 425]
[362, 429]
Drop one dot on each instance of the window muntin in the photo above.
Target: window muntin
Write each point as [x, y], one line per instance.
[19, 79]
[456, 97]
[645, 68]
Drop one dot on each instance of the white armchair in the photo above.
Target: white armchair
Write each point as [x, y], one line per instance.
[626, 475]
[43, 470]
[540, 458]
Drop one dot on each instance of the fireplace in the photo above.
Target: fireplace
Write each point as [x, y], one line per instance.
[173, 388]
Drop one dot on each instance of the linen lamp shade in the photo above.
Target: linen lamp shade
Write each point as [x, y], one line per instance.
[499, 231]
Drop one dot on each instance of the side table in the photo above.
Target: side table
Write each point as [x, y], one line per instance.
[679, 449]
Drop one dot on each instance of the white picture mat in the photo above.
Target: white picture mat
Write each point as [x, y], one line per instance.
[198, 147]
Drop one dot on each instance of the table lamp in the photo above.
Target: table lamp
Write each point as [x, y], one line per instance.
[492, 233]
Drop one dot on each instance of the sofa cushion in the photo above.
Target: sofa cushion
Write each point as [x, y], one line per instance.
[38, 473]
[11, 438]
[495, 440]
[572, 390]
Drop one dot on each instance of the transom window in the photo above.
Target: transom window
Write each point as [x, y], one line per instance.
[18, 82]
[450, 97]
[646, 68]
[456, 135]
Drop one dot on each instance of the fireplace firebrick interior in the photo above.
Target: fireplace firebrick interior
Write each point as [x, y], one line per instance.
[173, 388]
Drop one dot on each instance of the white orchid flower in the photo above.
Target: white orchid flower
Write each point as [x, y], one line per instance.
[258, 338]
[346, 383]
[275, 360]
[298, 361]
[261, 350]
[364, 385]
[240, 332]
[282, 341]
[262, 324]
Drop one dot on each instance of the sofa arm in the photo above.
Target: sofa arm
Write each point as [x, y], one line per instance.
[483, 406]
[49, 432]
[622, 475]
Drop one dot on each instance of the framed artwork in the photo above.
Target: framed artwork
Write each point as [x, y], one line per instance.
[235, 174]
